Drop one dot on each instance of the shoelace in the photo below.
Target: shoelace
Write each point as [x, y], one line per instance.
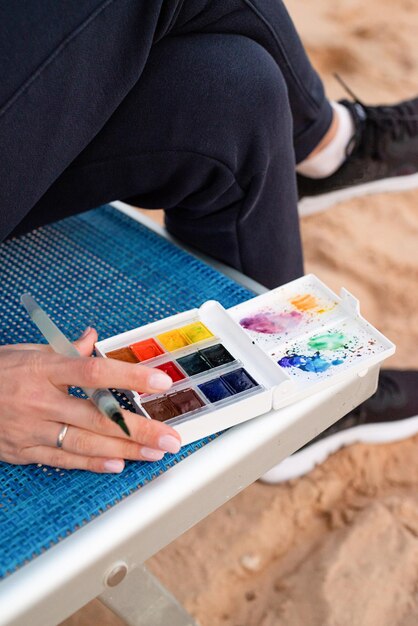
[375, 123]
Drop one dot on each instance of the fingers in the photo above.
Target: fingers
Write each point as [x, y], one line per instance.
[92, 373]
[83, 449]
[27, 346]
[85, 343]
[68, 460]
[103, 373]
[148, 433]
[85, 443]
[34, 375]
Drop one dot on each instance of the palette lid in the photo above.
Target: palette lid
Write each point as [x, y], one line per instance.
[317, 337]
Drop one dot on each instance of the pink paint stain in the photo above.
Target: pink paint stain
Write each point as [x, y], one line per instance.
[271, 323]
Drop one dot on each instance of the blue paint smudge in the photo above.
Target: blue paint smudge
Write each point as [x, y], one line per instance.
[314, 363]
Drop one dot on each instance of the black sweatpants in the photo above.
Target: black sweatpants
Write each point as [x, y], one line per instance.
[197, 106]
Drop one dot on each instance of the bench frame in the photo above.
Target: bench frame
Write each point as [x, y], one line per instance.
[97, 562]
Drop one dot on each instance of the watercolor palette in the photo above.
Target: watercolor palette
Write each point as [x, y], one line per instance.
[220, 378]
[230, 366]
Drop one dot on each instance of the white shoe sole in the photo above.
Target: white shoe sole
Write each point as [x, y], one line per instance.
[316, 204]
[304, 461]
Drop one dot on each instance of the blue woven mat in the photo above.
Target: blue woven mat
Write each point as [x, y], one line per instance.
[105, 270]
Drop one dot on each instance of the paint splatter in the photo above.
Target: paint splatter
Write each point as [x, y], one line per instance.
[271, 322]
[315, 363]
[309, 303]
[328, 341]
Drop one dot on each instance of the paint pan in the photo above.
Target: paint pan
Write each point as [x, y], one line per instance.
[123, 354]
[147, 349]
[172, 370]
[219, 377]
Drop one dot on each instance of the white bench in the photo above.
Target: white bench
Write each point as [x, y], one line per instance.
[105, 558]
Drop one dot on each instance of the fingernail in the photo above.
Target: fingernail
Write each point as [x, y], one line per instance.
[159, 381]
[152, 455]
[114, 466]
[169, 443]
[86, 332]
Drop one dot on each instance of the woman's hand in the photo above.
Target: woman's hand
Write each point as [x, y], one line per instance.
[34, 406]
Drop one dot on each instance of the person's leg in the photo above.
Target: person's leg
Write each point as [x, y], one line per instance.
[207, 134]
[268, 23]
[263, 21]
[343, 149]
[65, 67]
[63, 81]
[36, 151]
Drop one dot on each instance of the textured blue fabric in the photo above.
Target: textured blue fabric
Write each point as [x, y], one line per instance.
[102, 269]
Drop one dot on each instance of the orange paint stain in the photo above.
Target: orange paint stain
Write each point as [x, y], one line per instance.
[307, 302]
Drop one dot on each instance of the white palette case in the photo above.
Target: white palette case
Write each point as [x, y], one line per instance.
[292, 341]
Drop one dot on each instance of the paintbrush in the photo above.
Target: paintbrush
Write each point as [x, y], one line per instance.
[102, 398]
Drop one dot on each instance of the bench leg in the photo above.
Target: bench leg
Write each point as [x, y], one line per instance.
[141, 600]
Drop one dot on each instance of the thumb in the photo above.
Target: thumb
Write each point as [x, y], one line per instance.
[85, 343]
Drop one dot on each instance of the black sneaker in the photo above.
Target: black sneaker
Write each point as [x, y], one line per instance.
[382, 156]
[389, 415]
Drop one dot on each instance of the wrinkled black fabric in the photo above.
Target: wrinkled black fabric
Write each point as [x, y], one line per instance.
[197, 106]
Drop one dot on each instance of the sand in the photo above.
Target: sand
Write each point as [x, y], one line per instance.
[338, 547]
